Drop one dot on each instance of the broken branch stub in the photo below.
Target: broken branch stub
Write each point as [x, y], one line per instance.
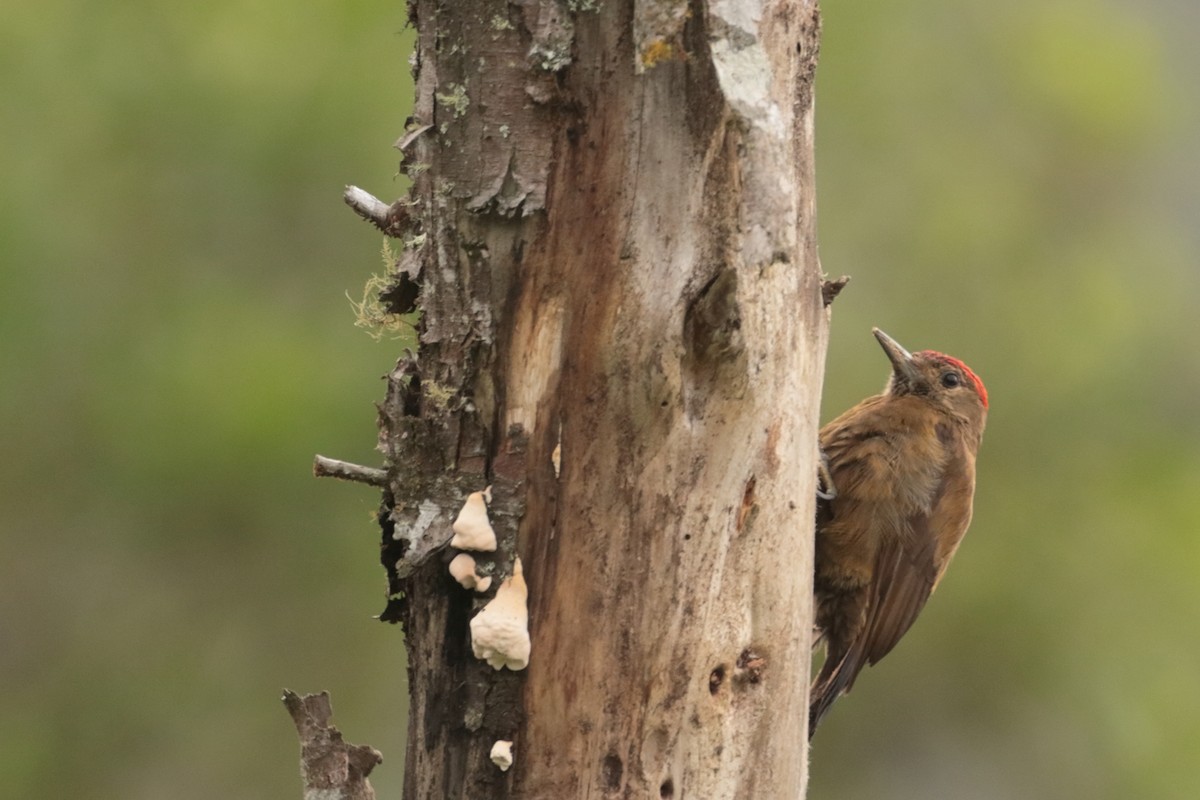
[391, 219]
[343, 470]
[332, 769]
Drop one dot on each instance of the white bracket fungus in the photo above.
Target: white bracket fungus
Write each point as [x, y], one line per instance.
[472, 530]
[502, 755]
[462, 569]
[500, 632]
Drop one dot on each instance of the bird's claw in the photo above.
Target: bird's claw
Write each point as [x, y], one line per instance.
[825, 488]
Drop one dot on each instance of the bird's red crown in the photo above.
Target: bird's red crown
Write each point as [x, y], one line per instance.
[980, 389]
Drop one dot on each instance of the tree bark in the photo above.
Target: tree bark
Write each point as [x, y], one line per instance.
[332, 769]
[612, 230]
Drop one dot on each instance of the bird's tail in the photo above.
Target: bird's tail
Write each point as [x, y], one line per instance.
[835, 679]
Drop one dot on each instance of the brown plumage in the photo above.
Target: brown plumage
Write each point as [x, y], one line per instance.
[902, 467]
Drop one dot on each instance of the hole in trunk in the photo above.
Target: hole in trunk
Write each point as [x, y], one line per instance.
[611, 770]
[716, 678]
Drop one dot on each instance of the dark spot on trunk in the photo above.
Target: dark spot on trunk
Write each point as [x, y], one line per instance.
[751, 667]
[400, 297]
[612, 771]
[714, 359]
[748, 510]
[716, 678]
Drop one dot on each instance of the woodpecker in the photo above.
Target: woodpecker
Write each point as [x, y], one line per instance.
[899, 479]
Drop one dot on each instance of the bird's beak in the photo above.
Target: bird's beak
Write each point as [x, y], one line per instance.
[902, 360]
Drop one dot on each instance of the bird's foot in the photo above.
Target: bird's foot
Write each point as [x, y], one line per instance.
[825, 488]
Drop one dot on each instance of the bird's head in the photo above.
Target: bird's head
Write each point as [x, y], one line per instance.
[944, 381]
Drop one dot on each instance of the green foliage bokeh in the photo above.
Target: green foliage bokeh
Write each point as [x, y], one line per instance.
[1012, 184]
[177, 343]
[1015, 184]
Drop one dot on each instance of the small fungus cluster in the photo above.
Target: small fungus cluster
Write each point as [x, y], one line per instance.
[500, 631]
[462, 568]
[502, 755]
[472, 529]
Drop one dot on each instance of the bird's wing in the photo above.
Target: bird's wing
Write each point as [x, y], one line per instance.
[903, 581]
[908, 567]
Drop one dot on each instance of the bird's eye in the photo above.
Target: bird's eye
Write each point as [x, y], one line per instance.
[951, 379]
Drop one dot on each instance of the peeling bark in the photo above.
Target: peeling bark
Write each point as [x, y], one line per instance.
[612, 229]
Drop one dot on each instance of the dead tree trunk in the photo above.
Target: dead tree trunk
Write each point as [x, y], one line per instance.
[610, 237]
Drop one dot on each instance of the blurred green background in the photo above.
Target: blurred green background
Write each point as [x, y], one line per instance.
[176, 345]
[1016, 184]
